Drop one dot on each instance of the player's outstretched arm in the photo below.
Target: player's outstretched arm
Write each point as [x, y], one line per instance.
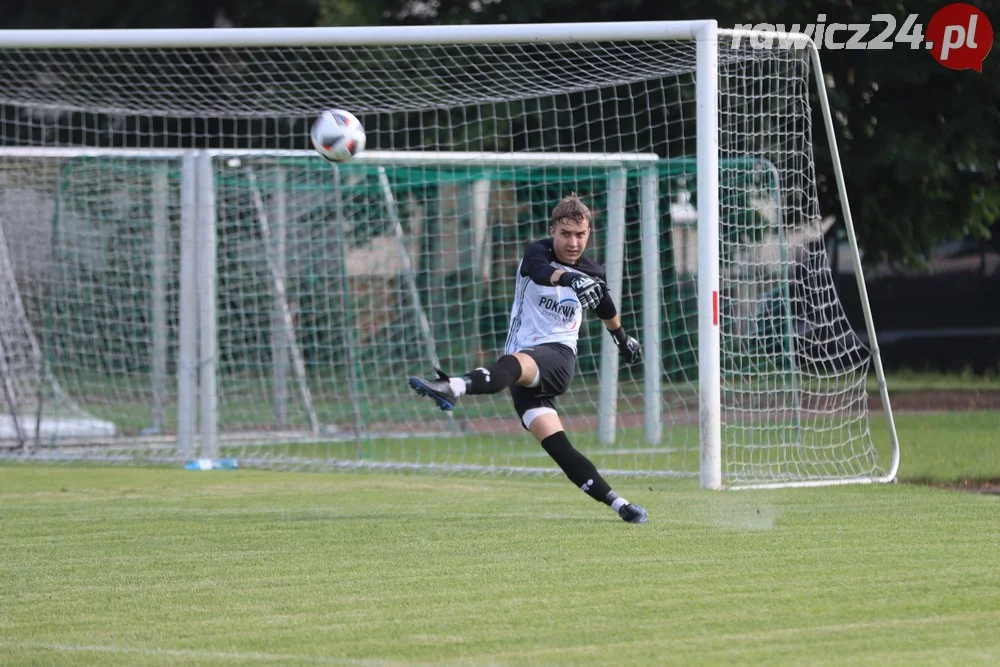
[629, 348]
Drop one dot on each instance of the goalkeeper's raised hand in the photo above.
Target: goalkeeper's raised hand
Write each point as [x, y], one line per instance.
[589, 291]
[628, 348]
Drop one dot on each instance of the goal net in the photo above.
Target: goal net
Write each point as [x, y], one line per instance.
[180, 275]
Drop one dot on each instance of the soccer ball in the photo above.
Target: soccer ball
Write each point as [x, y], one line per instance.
[337, 135]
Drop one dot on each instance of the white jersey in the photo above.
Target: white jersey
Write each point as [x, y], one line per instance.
[546, 313]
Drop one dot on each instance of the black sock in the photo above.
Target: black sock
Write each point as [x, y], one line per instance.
[578, 468]
[503, 373]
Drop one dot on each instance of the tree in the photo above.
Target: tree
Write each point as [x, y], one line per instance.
[68, 14]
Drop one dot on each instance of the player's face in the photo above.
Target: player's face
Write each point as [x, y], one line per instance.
[570, 239]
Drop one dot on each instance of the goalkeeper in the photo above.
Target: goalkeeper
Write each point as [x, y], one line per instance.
[555, 283]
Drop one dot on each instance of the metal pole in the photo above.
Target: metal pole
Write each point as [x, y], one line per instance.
[607, 405]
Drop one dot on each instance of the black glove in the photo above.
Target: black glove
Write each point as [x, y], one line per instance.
[588, 290]
[628, 348]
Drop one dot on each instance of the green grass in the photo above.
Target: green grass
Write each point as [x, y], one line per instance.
[945, 447]
[156, 566]
[916, 380]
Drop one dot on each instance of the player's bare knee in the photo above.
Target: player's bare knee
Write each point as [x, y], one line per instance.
[530, 376]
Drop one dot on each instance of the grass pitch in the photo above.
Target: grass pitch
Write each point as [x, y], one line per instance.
[126, 566]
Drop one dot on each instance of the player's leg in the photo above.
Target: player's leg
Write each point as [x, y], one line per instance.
[539, 416]
[518, 368]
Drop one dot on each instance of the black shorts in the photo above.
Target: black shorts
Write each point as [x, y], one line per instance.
[556, 367]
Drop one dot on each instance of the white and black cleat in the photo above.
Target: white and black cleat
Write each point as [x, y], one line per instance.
[631, 513]
[438, 390]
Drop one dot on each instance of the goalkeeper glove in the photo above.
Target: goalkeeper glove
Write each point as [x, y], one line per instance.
[628, 348]
[589, 291]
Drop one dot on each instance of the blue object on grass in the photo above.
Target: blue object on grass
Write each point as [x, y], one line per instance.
[212, 464]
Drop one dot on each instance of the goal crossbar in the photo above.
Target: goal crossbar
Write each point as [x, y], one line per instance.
[158, 38]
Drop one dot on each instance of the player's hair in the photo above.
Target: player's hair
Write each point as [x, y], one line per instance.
[570, 208]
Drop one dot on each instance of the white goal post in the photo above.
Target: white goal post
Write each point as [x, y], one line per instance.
[162, 219]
